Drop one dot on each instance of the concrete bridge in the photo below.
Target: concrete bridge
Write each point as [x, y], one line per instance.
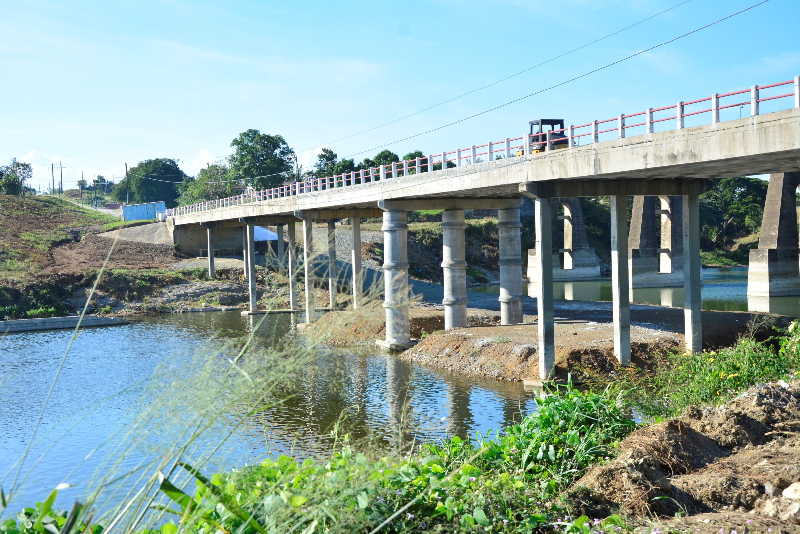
[630, 155]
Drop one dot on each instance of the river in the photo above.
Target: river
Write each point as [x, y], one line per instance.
[110, 375]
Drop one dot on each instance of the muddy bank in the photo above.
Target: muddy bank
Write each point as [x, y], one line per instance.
[733, 466]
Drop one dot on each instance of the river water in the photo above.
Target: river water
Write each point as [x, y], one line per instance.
[110, 374]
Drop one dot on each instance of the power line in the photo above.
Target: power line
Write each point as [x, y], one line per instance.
[564, 82]
[510, 76]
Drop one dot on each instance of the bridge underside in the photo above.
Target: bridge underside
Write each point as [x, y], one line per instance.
[674, 164]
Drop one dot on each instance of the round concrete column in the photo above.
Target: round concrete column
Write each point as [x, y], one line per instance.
[395, 279]
[454, 266]
[510, 266]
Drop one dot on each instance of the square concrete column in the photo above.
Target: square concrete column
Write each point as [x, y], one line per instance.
[279, 249]
[693, 326]
[292, 265]
[621, 306]
[643, 244]
[773, 269]
[568, 231]
[355, 261]
[308, 268]
[332, 265]
[251, 267]
[395, 279]
[244, 251]
[544, 288]
[211, 269]
[454, 268]
[509, 234]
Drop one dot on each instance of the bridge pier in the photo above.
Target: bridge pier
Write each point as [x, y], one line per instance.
[332, 276]
[621, 303]
[652, 257]
[244, 251]
[774, 269]
[692, 284]
[250, 267]
[291, 264]
[308, 268]
[210, 252]
[510, 245]
[454, 266]
[279, 248]
[543, 219]
[355, 261]
[395, 279]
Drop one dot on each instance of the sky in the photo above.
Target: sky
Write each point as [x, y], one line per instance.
[95, 85]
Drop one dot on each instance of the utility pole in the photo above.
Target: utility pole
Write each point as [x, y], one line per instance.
[52, 180]
[127, 184]
[61, 186]
[80, 186]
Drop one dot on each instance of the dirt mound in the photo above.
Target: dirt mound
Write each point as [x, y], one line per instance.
[91, 251]
[735, 457]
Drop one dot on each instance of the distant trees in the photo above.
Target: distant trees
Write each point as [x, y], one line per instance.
[328, 162]
[731, 209]
[14, 176]
[212, 182]
[150, 181]
[261, 160]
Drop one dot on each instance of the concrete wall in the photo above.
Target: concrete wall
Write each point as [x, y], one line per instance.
[193, 239]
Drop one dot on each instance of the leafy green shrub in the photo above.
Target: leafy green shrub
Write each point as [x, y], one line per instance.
[44, 311]
[505, 483]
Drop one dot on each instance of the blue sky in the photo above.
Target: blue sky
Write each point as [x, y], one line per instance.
[98, 84]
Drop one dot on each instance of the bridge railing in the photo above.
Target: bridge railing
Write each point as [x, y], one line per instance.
[693, 112]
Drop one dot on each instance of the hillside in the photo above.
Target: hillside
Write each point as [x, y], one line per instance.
[32, 226]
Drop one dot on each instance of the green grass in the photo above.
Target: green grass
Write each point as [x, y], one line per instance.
[711, 377]
[717, 257]
[116, 225]
[44, 239]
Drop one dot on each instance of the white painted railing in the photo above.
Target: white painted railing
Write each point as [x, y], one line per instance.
[569, 137]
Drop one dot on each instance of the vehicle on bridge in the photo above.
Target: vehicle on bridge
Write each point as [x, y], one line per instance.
[539, 128]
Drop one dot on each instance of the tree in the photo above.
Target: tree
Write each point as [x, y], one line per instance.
[386, 157]
[325, 164]
[212, 182]
[261, 160]
[150, 181]
[13, 177]
[731, 209]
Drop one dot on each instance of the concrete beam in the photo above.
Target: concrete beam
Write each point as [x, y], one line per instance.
[612, 187]
[449, 204]
[334, 214]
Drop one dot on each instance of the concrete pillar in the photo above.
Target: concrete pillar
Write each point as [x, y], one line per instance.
[508, 223]
[621, 305]
[250, 266]
[671, 248]
[693, 326]
[211, 269]
[643, 243]
[244, 251]
[355, 261]
[544, 287]
[332, 265]
[773, 270]
[454, 266]
[292, 265]
[580, 261]
[280, 249]
[395, 279]
[308, 268]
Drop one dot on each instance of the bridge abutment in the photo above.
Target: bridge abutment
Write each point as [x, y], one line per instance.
[454, 267]
[774, 269]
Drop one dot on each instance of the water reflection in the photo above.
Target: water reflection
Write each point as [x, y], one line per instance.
[109, 372]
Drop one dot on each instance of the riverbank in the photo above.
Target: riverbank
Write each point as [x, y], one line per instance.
[717, 449]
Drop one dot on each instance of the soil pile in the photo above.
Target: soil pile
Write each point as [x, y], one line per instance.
[734, 464]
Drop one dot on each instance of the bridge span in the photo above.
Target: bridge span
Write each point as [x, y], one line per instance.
[620, 157]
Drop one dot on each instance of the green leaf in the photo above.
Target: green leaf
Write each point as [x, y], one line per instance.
[169, 528]
[480, 517]
[296, 501]
[363, 500]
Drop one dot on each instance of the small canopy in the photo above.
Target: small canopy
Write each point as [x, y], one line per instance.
[265, 234]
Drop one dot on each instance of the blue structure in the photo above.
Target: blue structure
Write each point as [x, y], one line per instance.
[142, 212]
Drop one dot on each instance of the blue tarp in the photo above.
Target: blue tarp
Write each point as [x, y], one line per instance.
[142, 212]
